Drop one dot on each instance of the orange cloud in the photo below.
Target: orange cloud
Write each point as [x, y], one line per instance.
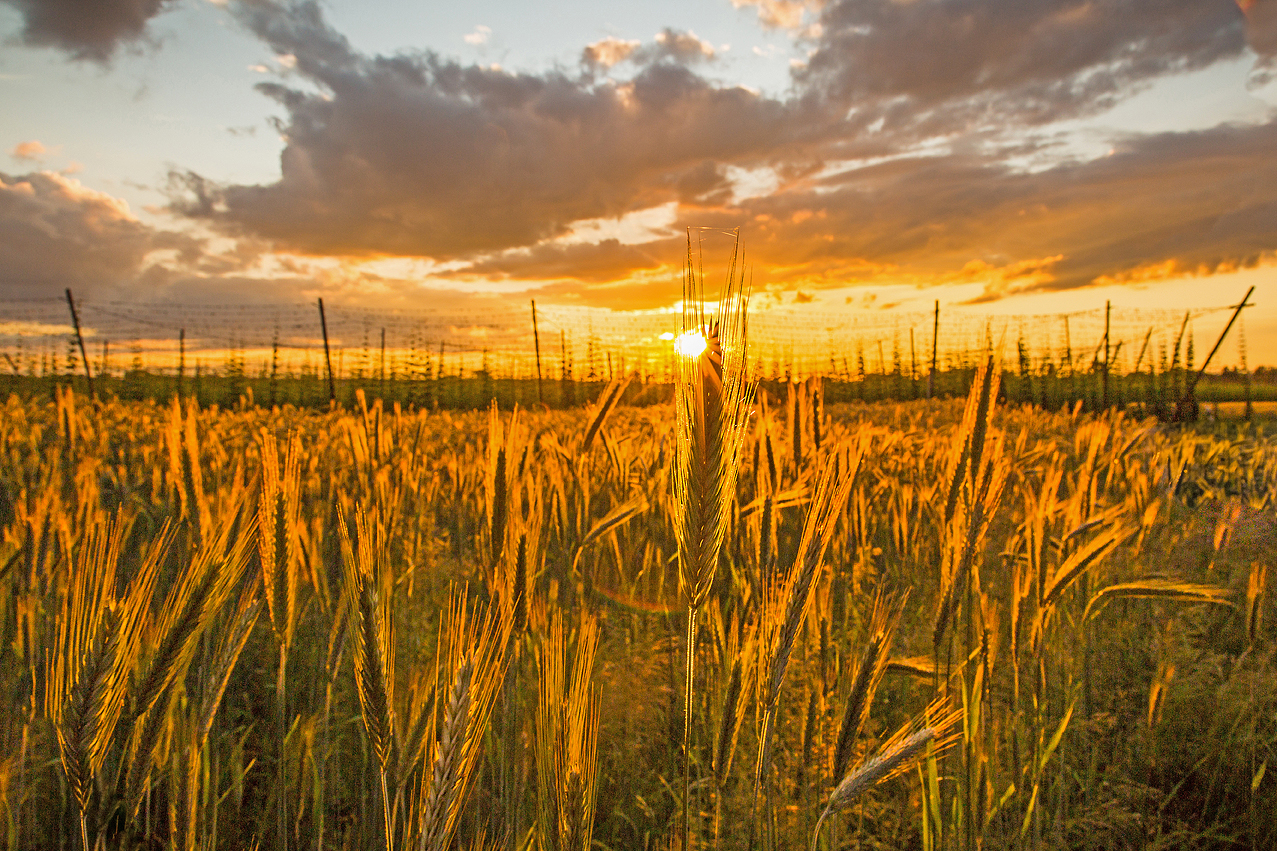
[31, 150]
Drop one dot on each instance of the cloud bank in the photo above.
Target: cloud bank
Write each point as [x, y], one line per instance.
[919, 142]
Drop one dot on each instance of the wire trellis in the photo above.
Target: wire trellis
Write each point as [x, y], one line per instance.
[366, 341]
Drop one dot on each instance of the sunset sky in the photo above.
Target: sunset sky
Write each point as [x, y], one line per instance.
[1007, 157]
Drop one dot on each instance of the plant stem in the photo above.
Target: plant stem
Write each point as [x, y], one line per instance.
[385, 807]
[692, 612]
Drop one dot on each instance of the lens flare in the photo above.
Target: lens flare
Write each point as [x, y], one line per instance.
[690, 344]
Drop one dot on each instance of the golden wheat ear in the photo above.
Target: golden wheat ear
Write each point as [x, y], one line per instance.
[869, 672]
[471, 663]
[374, 654]
[933, 732]
[97, 640]
[606, 403]
[713, 397]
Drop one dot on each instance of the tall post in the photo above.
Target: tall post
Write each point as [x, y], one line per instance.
[1108, 306]
[383, 357]
[274, 365]
[1188, 403]
[439, 376]
[1241, 341]
[75, 320]
[328, 358]
[536, 341]
[913, 358]
[181, 359]
[1068, 346]
[563, 352]
[935, 337]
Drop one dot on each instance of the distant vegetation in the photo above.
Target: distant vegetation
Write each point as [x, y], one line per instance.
[1152, 392]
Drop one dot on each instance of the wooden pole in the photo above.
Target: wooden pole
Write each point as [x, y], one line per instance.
[328, 358]
[274, 365]
[181, 359]
[913, 359]
[1143, 348]
[536, 341]
[935, 338]
[1108, 306]
[75, 320]
[1193, 384]
[1068, 345]
[1241, 341]
[563, 353]
[439, 377]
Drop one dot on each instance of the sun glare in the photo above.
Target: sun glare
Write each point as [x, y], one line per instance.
[690, 344]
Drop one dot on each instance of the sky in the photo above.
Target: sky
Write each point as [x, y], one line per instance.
[999, 157]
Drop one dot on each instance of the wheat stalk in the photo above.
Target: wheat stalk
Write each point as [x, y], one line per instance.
[712, 399]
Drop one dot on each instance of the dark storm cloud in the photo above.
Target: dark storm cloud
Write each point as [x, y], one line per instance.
[1031, 61]
[86, 29]
[418, 155]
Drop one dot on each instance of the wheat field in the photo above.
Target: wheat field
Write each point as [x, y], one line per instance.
[750, 622]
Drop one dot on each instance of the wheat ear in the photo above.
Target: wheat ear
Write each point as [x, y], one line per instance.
[893, 758]
[446, 775]
[869, 673]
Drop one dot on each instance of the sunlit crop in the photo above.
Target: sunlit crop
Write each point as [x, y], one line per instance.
[936, 625]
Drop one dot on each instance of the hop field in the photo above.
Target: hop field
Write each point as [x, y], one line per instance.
[927, 625]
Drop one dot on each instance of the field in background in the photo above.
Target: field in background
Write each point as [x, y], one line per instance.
[363, 627]
[1150, 393]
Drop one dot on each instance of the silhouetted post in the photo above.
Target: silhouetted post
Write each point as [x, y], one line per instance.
[935, 337]
[536, 341]
[1139, 360]
[439, 377]
[181, 359]
[75, 320]
[1188, 404]
[913, 358]
[563, 351]
[328, 358]
[1068, 346]
[1241, 340]
[274, 365]
[1108, 305]
[1143, 348]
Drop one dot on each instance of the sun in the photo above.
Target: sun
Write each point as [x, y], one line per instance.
[690, 344]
